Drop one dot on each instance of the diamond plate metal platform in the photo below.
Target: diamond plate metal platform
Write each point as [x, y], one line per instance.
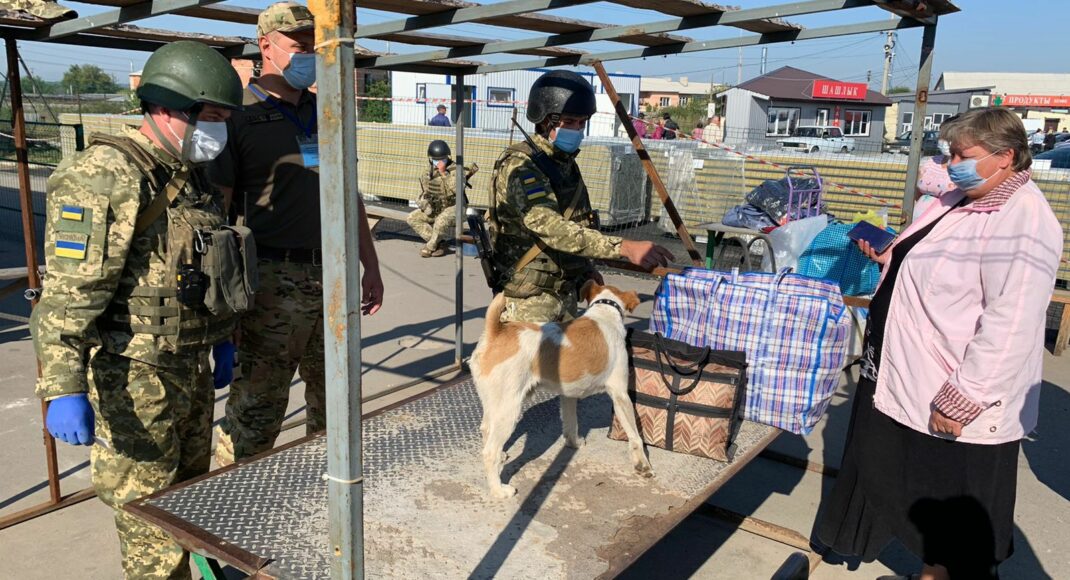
[578, 513]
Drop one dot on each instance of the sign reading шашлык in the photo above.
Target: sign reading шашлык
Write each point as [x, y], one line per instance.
[838, 90]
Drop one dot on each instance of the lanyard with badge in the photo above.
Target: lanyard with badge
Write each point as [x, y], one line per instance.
[308, 140]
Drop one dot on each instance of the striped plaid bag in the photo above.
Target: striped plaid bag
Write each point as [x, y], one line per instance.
[794, 330]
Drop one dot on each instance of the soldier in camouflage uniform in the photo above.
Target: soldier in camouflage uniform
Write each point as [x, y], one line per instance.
[435, 219]
[123, 352]
[270, 172]
[533, 208]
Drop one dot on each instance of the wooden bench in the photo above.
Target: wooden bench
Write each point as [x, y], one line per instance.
[1061, 340]
[377, 213]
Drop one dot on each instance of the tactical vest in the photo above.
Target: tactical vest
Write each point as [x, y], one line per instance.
[146, 309]
[552, 271]
[437, 196]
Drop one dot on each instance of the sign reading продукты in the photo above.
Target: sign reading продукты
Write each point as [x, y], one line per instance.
[838, 90]
[1049, 101]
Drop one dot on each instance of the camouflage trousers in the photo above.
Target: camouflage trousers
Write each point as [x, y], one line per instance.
[433, 229]
[546, 307]
[158, 423]
[283, 333]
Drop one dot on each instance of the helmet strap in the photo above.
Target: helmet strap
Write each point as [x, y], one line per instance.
[164, 142]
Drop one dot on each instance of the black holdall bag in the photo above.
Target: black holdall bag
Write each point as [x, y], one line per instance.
[687, 399]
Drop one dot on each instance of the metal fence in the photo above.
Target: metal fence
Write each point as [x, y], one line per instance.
[46, 144]
[706, 170]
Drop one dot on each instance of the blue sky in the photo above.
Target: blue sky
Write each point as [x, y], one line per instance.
[988, 35]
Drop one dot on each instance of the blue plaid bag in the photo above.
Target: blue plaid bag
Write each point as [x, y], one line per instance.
[794, 330]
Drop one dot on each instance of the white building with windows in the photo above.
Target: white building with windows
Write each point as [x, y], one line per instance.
[769, 107]
[492, 98]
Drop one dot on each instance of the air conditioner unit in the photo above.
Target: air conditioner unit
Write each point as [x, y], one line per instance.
[977, 101]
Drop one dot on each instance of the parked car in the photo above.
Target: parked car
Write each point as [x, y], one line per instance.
[815, 138]
[902, 143]
[1060, 157]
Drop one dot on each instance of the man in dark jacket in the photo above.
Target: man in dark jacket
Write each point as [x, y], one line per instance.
[670, 127]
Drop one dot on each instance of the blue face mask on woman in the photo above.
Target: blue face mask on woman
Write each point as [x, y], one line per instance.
[964, 173]
[568, 140]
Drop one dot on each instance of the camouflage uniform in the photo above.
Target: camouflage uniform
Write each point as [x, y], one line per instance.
[435, 219]
[100, 328]
[527, 211]
[283, 332]
[39, 8]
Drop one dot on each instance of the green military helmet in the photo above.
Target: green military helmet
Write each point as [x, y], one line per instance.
[182, 74]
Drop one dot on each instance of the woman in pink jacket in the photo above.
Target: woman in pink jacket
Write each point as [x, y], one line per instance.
[951, 371]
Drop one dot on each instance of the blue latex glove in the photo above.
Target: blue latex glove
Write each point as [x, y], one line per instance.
[223, 370]
[70, 419]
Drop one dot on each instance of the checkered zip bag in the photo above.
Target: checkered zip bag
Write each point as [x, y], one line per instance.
[794, 330]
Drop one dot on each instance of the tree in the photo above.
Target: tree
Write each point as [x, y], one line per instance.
[899, 90]
[369, 111]
[88, 78]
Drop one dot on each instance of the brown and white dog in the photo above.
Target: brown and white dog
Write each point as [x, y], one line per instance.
[575, 359]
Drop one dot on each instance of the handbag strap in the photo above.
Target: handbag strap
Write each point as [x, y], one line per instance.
[696, 368]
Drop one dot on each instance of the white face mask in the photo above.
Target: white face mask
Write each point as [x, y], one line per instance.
[207, 142]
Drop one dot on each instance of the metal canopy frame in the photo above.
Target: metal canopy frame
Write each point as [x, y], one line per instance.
[338, 55]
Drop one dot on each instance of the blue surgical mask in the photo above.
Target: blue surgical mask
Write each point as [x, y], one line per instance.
[301, 72]
[964, 173]
[568, 140]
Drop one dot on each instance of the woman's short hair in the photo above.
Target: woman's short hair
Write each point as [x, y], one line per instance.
[992, 128]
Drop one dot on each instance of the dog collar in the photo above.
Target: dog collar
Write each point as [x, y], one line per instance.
[611, 303]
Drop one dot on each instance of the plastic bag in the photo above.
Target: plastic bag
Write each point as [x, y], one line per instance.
[791, 239]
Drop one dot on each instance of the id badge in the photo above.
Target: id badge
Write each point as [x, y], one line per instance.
[310, 151]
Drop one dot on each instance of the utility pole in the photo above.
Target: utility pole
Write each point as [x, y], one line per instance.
[889, 54]
[739, 65]
[765, 57]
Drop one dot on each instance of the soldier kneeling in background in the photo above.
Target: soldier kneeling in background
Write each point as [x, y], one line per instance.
[435, 218]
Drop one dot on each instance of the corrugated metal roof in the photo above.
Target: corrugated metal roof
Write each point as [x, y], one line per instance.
[795, 84]
[1012, 83]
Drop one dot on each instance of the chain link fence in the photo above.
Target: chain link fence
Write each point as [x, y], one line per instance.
[46, 146]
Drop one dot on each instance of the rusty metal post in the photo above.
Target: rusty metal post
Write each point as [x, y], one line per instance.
[917, 135]
[340, 218]
[29, 235]
[648, 165]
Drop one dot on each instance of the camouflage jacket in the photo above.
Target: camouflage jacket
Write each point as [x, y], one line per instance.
[438, 191]
[93, 256]
[528, 210]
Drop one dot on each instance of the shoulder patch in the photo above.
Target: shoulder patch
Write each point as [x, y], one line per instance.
[72, 212]
[533, 188]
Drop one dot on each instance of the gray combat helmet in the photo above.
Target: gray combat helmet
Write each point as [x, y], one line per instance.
[182, 74]
[560, 92]
[438, 149]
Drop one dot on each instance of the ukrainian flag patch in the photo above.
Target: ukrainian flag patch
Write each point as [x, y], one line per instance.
[529, 179]
[72, 246]
[72, 212]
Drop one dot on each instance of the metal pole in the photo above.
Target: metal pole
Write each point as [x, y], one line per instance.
[648, 165]
[459, 121]
[340, 218]
[921, 100]
[29, 236]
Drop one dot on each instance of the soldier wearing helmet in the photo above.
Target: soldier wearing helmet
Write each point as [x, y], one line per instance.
[540, 216]
[435, 218]
[125, 321]
[270, 172]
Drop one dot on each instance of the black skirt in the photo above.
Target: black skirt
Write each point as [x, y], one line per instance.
[950, 503]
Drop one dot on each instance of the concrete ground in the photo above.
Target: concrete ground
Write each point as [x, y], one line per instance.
[413, 336]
